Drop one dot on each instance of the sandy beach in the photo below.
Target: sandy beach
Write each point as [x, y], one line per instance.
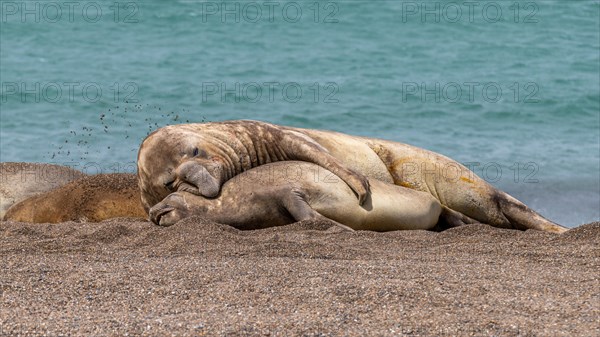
[129, 277]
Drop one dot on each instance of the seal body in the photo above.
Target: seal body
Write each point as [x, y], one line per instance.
[199, 158]
[19, 181]
[284, 192]
[92, 198]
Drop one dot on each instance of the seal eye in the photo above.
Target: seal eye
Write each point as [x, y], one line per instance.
[196, 151]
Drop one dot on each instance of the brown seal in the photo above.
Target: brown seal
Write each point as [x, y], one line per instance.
[199, 158]
[19, 181]
[93, 198]
[285, 192]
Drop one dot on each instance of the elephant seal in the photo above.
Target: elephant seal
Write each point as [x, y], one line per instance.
[281, 193]
[93, 198]
[19, 181]
[180, 157]
[199, 158]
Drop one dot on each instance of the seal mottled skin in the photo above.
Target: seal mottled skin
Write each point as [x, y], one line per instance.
[93, 198]
[199, 158]
[19, 181]
[284, 192]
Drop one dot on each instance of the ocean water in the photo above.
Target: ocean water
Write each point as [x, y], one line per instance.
[510, 88]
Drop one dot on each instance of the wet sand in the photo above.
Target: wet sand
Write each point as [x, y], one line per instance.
[129, 277]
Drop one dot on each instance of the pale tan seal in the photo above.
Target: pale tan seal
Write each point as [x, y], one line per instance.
[199, 158]
[93, 198]
[19, 181]
[281, 193]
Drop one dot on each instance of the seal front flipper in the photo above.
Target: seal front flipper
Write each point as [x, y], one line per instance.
[295, 203]
[193, 177]
[307, 149]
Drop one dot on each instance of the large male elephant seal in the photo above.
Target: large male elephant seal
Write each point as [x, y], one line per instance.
[93, 198]
[180, 157]
[284, 192]
[199, 158]
[19, 181]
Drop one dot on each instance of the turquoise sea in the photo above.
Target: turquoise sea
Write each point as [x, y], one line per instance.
[510, 88]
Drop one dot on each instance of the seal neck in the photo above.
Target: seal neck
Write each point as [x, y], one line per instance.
[242, 147]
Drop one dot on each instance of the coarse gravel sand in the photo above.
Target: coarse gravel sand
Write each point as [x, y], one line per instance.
[130, 277]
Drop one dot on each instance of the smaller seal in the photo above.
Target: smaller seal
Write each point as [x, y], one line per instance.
[19, 181]
[284, 192]
[93, 199]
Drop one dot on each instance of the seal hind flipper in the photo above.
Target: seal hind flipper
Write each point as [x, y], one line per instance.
[522, 217]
